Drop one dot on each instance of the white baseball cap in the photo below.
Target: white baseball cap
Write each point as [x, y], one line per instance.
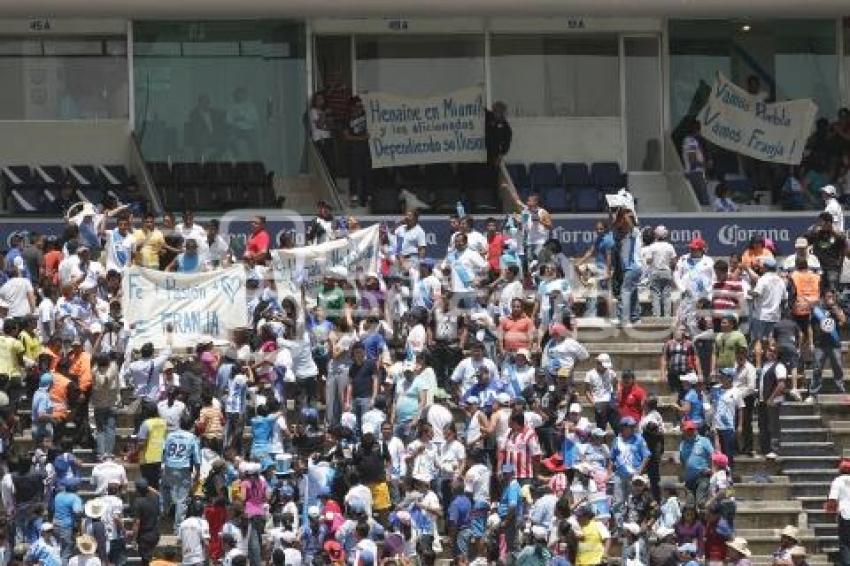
[605, 360]
[829, 190]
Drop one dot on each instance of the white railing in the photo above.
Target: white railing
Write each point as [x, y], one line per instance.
[680, 188]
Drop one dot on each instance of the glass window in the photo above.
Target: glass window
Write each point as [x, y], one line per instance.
[419, 65]
[80, 78]
[228, 90]
[575, 75]
[788, 59]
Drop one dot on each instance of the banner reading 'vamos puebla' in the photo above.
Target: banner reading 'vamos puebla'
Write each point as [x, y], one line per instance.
[438, 129]
[735, 120]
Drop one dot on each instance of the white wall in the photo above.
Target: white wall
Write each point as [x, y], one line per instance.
[64, 142]
[565, 139]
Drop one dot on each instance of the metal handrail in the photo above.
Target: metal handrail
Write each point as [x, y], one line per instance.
[137, 159]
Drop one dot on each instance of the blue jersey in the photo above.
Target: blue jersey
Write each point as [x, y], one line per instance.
[603, 245]
[697, 411]
[181, 450]
[262, 429]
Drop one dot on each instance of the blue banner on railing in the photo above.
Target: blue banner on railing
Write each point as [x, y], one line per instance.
[724, 233]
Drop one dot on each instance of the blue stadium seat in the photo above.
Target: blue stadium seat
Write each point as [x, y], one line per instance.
[24, 199]
[544, 175]
[575, 174]
[17, 176]
[555, 199]
[586, 198]
[82, 175]
[607, 174]
[740, 188]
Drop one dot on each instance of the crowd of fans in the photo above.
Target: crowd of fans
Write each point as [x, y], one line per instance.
[431, 408]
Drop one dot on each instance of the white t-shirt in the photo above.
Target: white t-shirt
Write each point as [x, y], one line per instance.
[417, 338]
[465, 372]
[46, 324]
[15, 291]
[439, 417]
[477, 241]
[834, 208]
[840, 491]
[477, 482]
[466, 266]
[409, 240]
[690, 146]
[84, 560]
[727, 405]
[511, 291]
[119, 249]
[659, 255]
[193, 533]
[280, 426]
[106, 472]
[171, 414]
[601, 386]
[770, 291]
[450, 456]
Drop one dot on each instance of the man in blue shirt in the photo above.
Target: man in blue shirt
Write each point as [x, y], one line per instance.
[460, 520]
[262, 431]
[629, 457]
[486, 390]
[67, 507]
[42, 409]
[695, 456]
[628, 307]
[510, 505]
[691, 405]
[181, 466]
[45, 550]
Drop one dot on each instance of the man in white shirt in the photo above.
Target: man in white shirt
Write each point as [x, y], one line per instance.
[769, 294]
[107, 472]
[660, 258]
[19, 294]
[512, 288]
[467, 266]
[839, 502]
[600, 383]
[475, 239]
[410, 239]
[466, 372]
[119, 244]
[194, 535]
[801, 250]
[833, 207]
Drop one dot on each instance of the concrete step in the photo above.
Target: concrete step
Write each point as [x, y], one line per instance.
[796, 409]
[800, 478]
[793, 463]
[805, 435]
[800, 422]
[807, 448]
[812, 502]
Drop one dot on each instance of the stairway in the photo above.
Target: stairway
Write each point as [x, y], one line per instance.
[809, 457]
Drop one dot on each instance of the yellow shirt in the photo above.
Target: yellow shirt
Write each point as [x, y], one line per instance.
[591, 549]
[156, 430]
[148, 246]
[10, 351]
[32, 345]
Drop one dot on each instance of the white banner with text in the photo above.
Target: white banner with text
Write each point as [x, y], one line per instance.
[417, 131]
[738, 121]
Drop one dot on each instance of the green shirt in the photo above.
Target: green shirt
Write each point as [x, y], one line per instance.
[725, 346]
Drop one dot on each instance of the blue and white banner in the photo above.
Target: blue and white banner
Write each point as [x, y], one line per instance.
[437, 129]
[194, 305]
[740, 122]
[357, 254]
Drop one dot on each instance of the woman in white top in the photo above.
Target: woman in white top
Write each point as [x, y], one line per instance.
[478, 425]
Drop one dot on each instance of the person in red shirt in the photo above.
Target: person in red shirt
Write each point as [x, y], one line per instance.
[258, 241]
[517, 330]
[495, 246]
[717, 533]
[630, 396]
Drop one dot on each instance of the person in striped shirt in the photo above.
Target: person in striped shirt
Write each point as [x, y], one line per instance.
[726, 293]
[521, 449]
